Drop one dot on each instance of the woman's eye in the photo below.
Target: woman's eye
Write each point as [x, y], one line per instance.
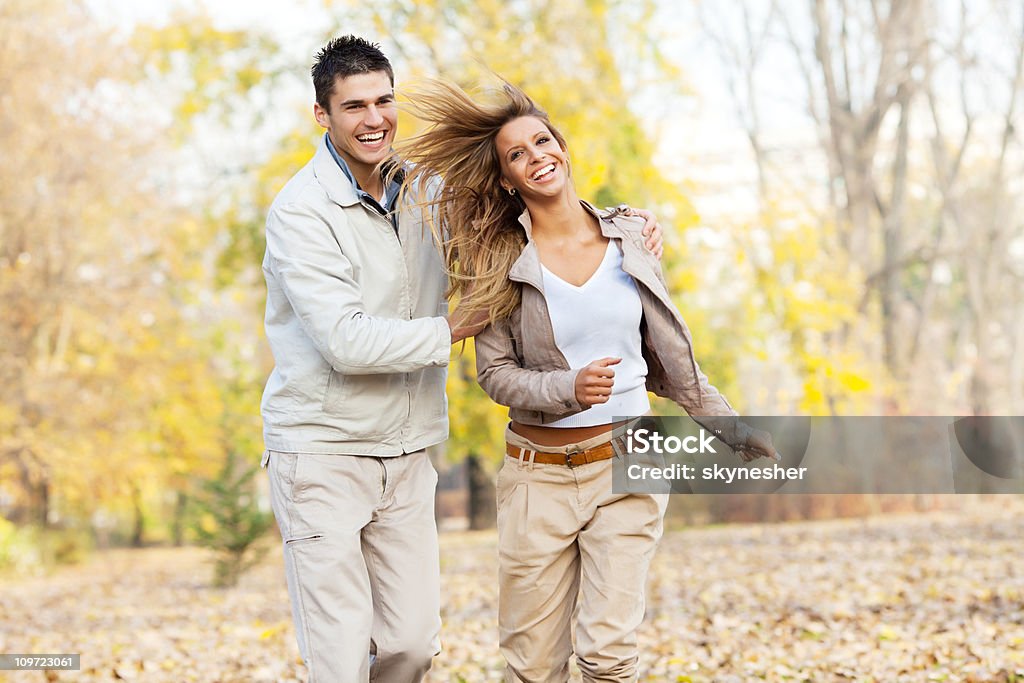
[515, 155]
[542, 140]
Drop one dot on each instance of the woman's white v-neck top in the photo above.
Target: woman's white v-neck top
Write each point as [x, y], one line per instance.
[599, 319]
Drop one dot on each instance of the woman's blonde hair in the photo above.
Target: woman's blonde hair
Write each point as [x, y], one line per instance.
[471, 215]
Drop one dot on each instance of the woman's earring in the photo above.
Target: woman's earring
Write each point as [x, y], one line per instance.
[512, 192]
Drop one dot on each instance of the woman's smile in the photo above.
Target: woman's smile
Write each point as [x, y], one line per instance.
[544, 174]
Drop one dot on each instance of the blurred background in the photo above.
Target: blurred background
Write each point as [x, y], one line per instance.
[839, 184]
[840, 188]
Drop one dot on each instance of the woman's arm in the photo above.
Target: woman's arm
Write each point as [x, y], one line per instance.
[508, 383]
[718, 416]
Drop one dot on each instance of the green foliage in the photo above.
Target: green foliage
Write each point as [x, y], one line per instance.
[32, 549]
[231, 522]
[18, 550]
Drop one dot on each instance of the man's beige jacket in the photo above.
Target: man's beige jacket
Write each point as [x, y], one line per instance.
[354, 322]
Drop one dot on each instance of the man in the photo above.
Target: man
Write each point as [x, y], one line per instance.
[356, 320]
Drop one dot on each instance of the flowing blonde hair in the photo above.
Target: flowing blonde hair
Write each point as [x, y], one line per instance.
[471, 215]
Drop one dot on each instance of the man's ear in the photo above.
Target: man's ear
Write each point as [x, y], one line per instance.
[321, 115]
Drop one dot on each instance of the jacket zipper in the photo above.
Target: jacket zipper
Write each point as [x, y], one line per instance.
[393, 232]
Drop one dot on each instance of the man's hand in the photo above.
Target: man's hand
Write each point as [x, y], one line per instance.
[652, 231]
[594, 382]
[758, 445]
[464, 328]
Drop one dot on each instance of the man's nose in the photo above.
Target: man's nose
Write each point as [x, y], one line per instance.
[373, 117]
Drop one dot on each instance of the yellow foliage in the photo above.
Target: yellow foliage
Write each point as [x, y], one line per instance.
[852, 382]
[477, 423]
[208, 524]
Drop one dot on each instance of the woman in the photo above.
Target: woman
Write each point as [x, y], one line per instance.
[580, 327]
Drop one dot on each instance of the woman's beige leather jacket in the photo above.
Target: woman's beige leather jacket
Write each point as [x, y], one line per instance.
[519, 364]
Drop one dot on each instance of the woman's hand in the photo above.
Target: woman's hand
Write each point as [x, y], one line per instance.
[758, 445]
[594, 382]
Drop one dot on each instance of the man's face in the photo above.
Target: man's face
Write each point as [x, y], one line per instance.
[362, 119]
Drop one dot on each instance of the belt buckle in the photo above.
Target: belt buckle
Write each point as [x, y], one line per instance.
[568, 457]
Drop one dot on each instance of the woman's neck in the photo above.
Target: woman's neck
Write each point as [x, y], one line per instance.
[558, 217]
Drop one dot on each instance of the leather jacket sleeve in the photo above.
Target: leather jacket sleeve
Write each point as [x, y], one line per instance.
[503, 378]
[714, 413]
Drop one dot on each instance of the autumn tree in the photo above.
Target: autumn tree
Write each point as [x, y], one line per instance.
[118, 351]
[904, 98]
[78, 231]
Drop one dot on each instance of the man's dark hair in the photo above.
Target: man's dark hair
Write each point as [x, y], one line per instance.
[344, 57]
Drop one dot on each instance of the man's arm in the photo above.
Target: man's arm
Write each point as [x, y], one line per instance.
[318, 280]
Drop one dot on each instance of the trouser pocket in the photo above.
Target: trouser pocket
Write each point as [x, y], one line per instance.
[302, 540]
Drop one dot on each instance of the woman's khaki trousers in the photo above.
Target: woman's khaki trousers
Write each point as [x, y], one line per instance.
[571, 550]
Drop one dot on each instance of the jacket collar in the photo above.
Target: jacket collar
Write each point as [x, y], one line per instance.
[606, 220]
[330, 176]
[527, 267]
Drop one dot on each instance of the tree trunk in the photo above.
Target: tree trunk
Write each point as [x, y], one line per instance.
[44, 502]
[483, 511]
[178, 524]
[140, 525]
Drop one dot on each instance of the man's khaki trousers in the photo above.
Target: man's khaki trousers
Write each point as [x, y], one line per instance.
[361, 560]
[563, 535]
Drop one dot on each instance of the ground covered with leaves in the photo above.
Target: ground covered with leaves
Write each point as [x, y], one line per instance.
[936, 597]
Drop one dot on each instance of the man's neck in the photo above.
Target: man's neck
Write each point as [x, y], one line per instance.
[366, 177]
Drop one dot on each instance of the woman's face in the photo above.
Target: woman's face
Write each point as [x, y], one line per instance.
[532, 161]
